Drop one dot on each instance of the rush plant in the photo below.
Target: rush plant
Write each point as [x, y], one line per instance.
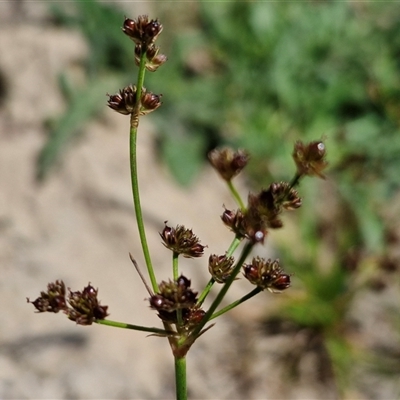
[177, 304]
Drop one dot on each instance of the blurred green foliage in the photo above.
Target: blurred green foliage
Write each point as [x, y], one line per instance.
[261, 76]
[286, 71]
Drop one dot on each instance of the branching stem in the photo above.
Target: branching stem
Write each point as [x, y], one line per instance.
[245, 252]
[236, 303]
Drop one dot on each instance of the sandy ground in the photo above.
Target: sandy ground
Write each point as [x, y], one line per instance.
[79, 226]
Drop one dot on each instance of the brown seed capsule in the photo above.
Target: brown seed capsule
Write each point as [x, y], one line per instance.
[149, 102]
[282, 282]
[151, 31]
[123, 102]
[130, 28]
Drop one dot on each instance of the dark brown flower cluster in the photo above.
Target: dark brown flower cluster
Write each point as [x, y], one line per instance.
[263, 211]
[141, 30]
[182, 241]
[310, 158]
[175, 296]
[125, 103]
[227, 162]
[53, 300]
[266, 274]
[144, 33]
[82, 307]
[265, 207]
[220, 267]
[85, 307]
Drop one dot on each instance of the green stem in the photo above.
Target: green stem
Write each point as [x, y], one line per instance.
[236, 195]
[180, 378]
[124, 325]
[140, 82]
[175, 274]
[245, 252]
[236, 303]
[134, 174]
[205, 292]
[295, 181]
[234, 245]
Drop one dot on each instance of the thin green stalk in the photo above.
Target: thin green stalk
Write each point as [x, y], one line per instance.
[140, 82]
[236, 303]
[134, 174]
[180, 378]
[245, 252]
[175, 271]
[175, 274]
[124, 325]
[205, 292]
[234, 245]
[236, 195]
[295, 181]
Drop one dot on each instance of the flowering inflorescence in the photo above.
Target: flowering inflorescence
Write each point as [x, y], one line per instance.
[182, 241]
[82, 307]
[144, 33]
[310, 158]
[174, 296]
[264, 208]
[220, 267]
[266, 274]
[125, 101]
[262, 212]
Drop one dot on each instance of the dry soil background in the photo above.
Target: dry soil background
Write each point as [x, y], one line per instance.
[78, 226]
